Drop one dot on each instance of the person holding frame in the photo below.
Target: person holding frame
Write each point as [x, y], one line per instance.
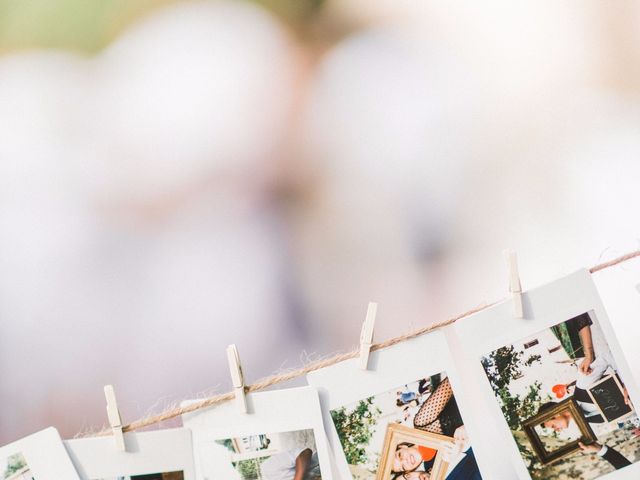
[417, 462]
[434, 446]
[408, 450]
[363, 406]
[563, 421]
[590, 370]
[439, 414]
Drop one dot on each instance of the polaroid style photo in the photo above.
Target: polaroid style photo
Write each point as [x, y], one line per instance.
[280, 438]
[556, 384]
[40, 456]
[400, 418]
[156, 455]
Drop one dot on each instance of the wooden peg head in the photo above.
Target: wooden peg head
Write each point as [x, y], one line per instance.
[237, 377]
[515, 287]
[115, 420]
[366, 335]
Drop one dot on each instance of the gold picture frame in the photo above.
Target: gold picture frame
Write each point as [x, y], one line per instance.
[397, 434]
[547, 457]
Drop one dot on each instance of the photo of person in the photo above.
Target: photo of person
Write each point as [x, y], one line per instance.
[272, 456]
[413, 431]
[533, 375]
[557, 433]
[14, 467]
[558, 430]
[148, 476]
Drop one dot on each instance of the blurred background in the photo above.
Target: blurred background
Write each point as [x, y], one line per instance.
[176, 176]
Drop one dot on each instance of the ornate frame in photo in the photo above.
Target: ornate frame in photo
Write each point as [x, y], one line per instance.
[543, 455]
[397, 433]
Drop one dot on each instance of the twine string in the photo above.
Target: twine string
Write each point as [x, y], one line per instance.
[286, 376]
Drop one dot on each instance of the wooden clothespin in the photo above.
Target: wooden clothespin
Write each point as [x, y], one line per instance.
[237, 377]
[515, 287]
[113, 414]
[366, 335]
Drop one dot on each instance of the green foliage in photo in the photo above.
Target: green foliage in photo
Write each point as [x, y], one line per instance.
[355, 429]
[569, 339]
[502, 367]
[250, 469]
[15, 463]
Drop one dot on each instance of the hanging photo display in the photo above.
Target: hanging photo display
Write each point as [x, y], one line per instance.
[399, 419]
[535, 388]
[559, 381]
[281, 437]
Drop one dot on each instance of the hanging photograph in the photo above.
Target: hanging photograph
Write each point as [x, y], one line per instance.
[409, 430]
[15, 467]
[565, 401]
[280, 438]
[387, 427]
[554, 385]
[40, 456]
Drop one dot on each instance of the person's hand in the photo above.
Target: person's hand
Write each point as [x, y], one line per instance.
[594, 447]
[585, 365]
[627, 400]
[461, 438]
[449, 451]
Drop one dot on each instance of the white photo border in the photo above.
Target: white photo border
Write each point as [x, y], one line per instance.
[276, 411]
[490, 329]
[158, 451]
[45, 455]
[345, 383]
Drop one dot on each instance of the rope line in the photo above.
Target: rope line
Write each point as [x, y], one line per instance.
[283, 377]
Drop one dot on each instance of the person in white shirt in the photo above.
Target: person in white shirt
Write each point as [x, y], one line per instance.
[591, 368]
[301, 464]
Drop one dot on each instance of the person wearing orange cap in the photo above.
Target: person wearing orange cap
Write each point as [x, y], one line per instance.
[409, 457]
[440, 414]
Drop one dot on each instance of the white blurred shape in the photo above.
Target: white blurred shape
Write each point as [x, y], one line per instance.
[45, 235]
[196, 89]
[40, 205]
[387, 125]
[392, 113]
[519, 50]
[199, 90]
[600, 164]
[37, 120]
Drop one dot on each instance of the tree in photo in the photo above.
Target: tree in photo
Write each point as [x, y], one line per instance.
[355, 429]
[503, 366]
[250, 469]
[15, 463]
